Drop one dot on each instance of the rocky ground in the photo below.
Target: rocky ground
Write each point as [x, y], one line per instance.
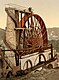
[44, 74]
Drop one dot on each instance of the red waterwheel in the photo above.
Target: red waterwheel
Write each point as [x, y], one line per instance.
[34, 32]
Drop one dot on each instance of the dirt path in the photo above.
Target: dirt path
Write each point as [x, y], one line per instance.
[44, 74]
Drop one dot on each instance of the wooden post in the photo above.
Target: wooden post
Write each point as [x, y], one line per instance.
[17, 37]
[24, 30]
[21, 20]
[17, 26]
[51, 51]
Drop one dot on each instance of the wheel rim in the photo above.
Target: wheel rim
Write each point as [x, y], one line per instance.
[36, 34]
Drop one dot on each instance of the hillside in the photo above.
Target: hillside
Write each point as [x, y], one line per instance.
[53, 37]
[53, 33]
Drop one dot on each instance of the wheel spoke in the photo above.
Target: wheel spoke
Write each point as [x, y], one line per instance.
[35, 33]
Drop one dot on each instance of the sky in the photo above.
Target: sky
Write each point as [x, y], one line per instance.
[47, 9]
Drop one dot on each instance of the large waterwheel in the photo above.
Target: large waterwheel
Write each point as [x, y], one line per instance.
[27, 33]
[34, 32]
